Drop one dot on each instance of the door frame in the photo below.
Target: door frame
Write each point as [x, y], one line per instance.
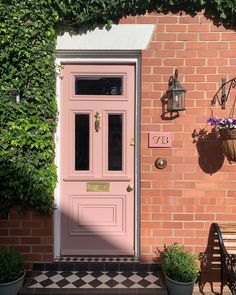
[106, 57]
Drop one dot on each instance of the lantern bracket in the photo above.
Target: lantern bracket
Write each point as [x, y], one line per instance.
[173, 80]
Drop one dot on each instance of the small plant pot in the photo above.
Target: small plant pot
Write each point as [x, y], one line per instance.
[12, 288]
[178, 288]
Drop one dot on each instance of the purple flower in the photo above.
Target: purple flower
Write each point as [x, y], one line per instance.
[213, 121]
[223, 123]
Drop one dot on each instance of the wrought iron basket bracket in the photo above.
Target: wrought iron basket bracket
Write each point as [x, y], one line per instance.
[224, 93]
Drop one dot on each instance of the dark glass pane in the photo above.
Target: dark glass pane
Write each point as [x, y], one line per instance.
[115, 142]
[97, 85]
[82, 142]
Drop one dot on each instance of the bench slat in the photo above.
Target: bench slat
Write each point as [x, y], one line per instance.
[227, 240]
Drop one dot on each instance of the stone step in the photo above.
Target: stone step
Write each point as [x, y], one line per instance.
[96, 264]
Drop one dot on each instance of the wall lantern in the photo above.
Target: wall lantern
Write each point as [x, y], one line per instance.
[224, 94]
[175, 95]
[15, 95]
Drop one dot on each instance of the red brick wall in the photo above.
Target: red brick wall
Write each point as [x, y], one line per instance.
[179, 203]
[29, 233]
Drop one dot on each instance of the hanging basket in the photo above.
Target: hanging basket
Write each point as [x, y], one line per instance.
[228, 137]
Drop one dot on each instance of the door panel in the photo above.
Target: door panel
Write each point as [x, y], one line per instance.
[97, 160]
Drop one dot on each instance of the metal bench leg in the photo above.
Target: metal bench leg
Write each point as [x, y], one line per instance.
[221, 288]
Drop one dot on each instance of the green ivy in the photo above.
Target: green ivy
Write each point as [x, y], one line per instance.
[27, 59]
[28, 31]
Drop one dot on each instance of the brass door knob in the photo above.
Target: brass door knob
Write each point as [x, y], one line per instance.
[130, 187]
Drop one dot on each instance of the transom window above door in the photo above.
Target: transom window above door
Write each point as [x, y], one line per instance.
[98, 85]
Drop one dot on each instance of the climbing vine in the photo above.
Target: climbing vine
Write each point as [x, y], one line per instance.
[28, 31]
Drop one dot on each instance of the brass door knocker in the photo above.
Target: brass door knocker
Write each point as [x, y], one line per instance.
[97, 121]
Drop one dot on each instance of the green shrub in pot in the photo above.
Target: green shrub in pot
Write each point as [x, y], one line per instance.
[180, 268]
[11, 265]
[11, 272]
[178, 264]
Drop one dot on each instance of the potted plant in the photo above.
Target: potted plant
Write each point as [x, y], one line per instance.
[227, 131]
[180, 268]
[11, 272]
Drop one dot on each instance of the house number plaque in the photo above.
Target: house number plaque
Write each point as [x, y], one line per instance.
[160, 139]
[97, 186]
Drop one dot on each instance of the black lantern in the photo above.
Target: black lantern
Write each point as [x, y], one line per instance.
[175, 94]
[15, 95]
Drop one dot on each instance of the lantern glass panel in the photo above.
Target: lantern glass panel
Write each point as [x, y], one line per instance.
[176, 101]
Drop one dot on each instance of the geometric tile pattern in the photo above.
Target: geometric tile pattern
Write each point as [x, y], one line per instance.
[96, 280]
[119, 259]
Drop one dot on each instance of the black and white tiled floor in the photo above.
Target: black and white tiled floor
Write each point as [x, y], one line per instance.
[97, 279]
[95, 276]
[95, 282]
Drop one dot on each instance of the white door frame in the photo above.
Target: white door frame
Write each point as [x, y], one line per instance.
[99, 57]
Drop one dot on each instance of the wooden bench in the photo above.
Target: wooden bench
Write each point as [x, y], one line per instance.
[227, 240]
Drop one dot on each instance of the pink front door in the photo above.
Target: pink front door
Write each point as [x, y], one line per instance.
[97, 160]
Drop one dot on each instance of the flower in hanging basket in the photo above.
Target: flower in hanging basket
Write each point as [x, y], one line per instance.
[227, 131]
[226, 127]
[226, 123]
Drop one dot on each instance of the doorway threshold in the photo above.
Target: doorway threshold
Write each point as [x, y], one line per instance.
[102, 259]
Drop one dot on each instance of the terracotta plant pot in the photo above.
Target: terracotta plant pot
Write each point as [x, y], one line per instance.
[228, 137]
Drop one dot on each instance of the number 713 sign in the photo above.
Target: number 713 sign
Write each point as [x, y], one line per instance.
[160, 139]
